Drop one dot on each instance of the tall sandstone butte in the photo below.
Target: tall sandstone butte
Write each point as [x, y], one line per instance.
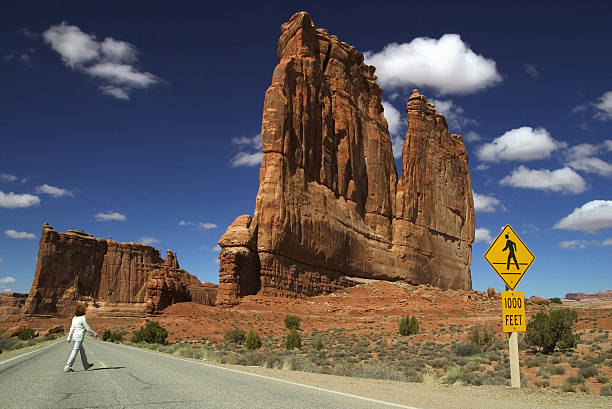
[330, 206]
[75, 266]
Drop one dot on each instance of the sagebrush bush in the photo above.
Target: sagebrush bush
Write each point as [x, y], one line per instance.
[106, 334]
[555, 300]
[465, 349]
[409, 325]
[26, 334]
[253, 341]
[292, 322]
[234, 336]
[482, 335]
[547, 332]
[606, 390]
[317, 343]
[294, 340]
[151, 333]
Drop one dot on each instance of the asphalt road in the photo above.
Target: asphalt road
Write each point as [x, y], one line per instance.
[124, 377]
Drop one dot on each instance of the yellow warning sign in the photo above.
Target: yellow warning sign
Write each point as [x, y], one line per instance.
[513, 311]
[509, 257]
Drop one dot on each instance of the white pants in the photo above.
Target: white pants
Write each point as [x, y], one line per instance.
[78, 347]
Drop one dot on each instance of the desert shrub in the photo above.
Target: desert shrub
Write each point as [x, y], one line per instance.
[253, 341]
[482, 335]
[151, 333]
[409, 325]
[537, 360]
[117, 337]
[546, 371]
[294, 340]
[7, 343]
[555, 300]
[106, 334]
[292, 322]
[601, 378]
[234, 336]
[465, 349]
[606, 390]
[26, 334]
[317, 343]
[546, 332]
[588, 371]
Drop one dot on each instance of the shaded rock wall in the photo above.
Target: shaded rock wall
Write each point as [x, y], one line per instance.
[75, 266]
[329, 205]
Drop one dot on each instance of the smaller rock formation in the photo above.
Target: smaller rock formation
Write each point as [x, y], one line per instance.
[583, 296]
[75, 266]
[491, 292]
[539, 300]
[12, 303]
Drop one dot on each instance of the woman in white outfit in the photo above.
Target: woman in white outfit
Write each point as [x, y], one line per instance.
[77, 333]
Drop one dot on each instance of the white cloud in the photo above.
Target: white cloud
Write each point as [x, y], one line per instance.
[12, 201]
[52, 190]
[521, 144]
[581, 157]
[448, 65]
[486, 204]
[591, 216]
[563, 180]
[148, 240]
[396, 123]
[28, 34]
[7, 280]
[114, 91]
[574, 244]
[482, 166]
[607, 242]
[604, 107]
[6, 178]
[112, 61]
[472, 136]
[531, 70]
[216, 248]
[607, 144]
[453, 114]
[13, 234]
[246, 159]
[250, 153]
[482, 235]
[201, 225]
[110, 216]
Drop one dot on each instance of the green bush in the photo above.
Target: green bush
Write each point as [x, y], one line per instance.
[234, 336]
[409, 325]
[117, 337]
[465, 349]
[294, 340]
[292, 322]
[151, 333]
[317, 343]
[253, 341]
[546, 332]
[606, 390]
[26, 334]
[483, 336]
[555, 300]
[106, 334]
[588, 371]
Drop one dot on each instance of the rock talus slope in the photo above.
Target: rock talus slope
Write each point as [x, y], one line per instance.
[75, 266]
[329, 205]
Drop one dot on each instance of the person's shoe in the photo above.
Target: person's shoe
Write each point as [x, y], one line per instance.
[88, 366]
[68, 369]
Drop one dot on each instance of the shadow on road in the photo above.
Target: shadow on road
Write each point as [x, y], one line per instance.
[103, 369]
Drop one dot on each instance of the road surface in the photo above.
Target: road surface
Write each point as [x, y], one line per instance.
[125, 377]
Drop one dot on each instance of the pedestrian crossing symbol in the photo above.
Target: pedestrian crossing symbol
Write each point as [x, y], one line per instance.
[509, 257]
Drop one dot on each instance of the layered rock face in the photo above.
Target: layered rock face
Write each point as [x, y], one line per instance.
[11, 303]
[330, 205]
[75, 266]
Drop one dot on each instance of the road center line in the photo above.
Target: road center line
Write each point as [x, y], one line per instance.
[28, 353]
[382, 402]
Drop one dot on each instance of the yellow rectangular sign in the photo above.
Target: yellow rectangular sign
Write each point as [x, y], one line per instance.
[513, 311]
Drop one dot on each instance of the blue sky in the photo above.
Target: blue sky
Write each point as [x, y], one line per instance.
[140, 122]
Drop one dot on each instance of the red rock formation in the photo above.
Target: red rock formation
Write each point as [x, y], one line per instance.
[329, 204]
[11, 303]
[75, 266]
[583, 296]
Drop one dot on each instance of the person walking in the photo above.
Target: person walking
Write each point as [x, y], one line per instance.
[77, 333]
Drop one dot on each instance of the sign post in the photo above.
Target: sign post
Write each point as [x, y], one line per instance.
[503, 256]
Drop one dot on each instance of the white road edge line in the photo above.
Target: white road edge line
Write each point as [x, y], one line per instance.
[28, 353]
[382, 402]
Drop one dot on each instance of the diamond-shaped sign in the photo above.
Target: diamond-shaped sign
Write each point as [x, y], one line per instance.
[509, 257]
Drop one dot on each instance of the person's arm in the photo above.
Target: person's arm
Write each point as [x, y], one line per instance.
[88, 328]
[71, 332]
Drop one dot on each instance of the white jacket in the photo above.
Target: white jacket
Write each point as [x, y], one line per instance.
[78, 328]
